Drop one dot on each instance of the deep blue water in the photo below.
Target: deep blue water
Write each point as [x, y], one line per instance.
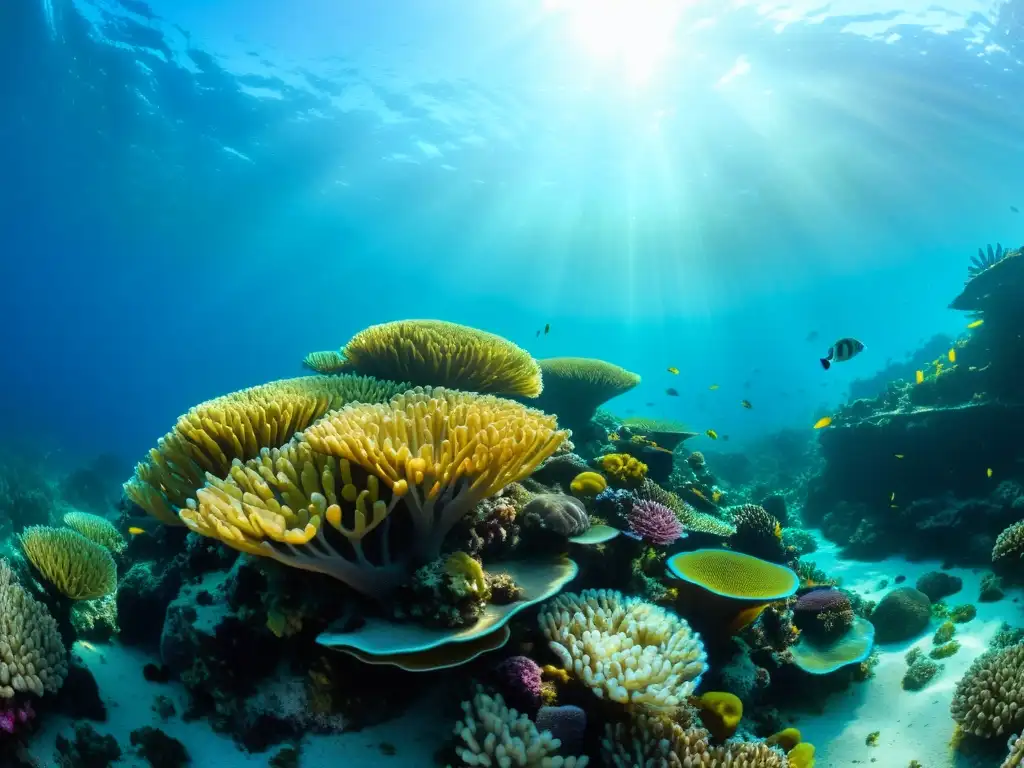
[195, 194]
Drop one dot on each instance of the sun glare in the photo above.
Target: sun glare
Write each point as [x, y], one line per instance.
[636, 36]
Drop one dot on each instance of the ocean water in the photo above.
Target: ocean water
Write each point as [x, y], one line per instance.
[195, 195]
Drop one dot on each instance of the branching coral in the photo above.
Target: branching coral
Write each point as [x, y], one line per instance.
[989, 699]
[370, 491]
[32, 655]
[623, 468]
[438, 353]
[329, 361]
[652, 742]
[97, 529]
[238, 426]
[77, 567]
[492, 734]
[623, 648]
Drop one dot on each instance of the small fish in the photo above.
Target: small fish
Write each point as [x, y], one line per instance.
[841, 351]
[135, 531]
[988, 472]
[919, 377]
[746, 404]
[976, 324]
[712, 434]
[649, 405]
[713, 387]
[725, 437]
[823, 422]
[673, 370]
[697, 492]
[893, 506]
[1014, 209]
[538, 334]
[812, 336]
[547, 328]
[716, 496]
[892, 496]
[898, 455]
[951, 355]
[671, 392]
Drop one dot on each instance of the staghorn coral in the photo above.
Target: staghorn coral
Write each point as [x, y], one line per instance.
[651, 742]
[623, 468]
[654, 523]
[988, 699]
[32, 654]
[368, 479]
[437, 353]
[77, 567]
[623, 648]
[97, 529]
[238, 426]
[329, 361]
[757, 533]
[492, 734]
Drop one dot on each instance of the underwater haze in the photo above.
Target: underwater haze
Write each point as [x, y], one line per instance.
[537, 383]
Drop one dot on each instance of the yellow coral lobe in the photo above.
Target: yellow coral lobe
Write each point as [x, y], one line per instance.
[721, 713]
[734, 574]
[79, 568]
[801, 756]
[588, 484]
[623, 468]
[787, 738]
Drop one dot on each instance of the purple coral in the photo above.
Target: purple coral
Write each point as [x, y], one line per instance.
[566, 723]
[519, 680]
[654, 523]
[12, 718]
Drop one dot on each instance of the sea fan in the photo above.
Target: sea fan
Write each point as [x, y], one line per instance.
[984, 260]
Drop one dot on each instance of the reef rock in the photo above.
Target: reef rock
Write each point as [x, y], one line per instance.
[902, 614]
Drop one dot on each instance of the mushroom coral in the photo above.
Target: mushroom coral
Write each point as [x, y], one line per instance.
[574, 387]
[734, 575]
[434, 352]
[370, 491]
[238, 426]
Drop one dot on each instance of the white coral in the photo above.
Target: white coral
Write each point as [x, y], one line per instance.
[495, 735]
[624, 648]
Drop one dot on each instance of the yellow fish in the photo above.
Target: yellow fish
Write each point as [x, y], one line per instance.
[823, 422]
[976, 324]
[713, 387]
[716, 496]
[919, 376]
[952, 355]
[988, 472]
[134, 531]
[673, 370]
[898, 455]
[712, 434]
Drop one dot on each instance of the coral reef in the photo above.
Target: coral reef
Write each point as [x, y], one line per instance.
[562, 516]
[757, 533]
[326, 361]
[988, 699]
[623, 469]
[574, 388]
[97, 529]
[79, 568]
[32, 655]
[654, 523]
[937, 585]
[437, 353]
[89, 749]
[902, 614]
[823, 615]
[623, 648]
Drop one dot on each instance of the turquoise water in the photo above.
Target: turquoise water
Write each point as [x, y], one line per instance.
[194, 195]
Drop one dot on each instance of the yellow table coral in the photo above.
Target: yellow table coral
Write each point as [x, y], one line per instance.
[78, 567]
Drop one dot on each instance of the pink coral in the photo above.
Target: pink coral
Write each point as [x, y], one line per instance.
[519, 680]
[654, 523]
[11, 718]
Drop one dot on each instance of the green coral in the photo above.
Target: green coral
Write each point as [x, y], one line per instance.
[97, 529]
[95, 620]
[963, 613]
[991, 588]
[918, 675]
[944, 633]
[77, 567]
[945, 651]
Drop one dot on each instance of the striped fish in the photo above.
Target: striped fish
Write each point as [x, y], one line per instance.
[841, 351]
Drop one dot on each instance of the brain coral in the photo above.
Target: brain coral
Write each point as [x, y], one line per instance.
[437, 353]
[989, 699]
[555, 512]
[659, 743]
[734, 574]
[32, 655]
[902, 614]
[623, 648]
[369, 479]
[78, 567]
[238, 426]
[97, 529]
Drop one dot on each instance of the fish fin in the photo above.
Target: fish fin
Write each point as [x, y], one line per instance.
[825, 363]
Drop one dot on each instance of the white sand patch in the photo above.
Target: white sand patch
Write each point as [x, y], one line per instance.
[912, 725]
[415, 736]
